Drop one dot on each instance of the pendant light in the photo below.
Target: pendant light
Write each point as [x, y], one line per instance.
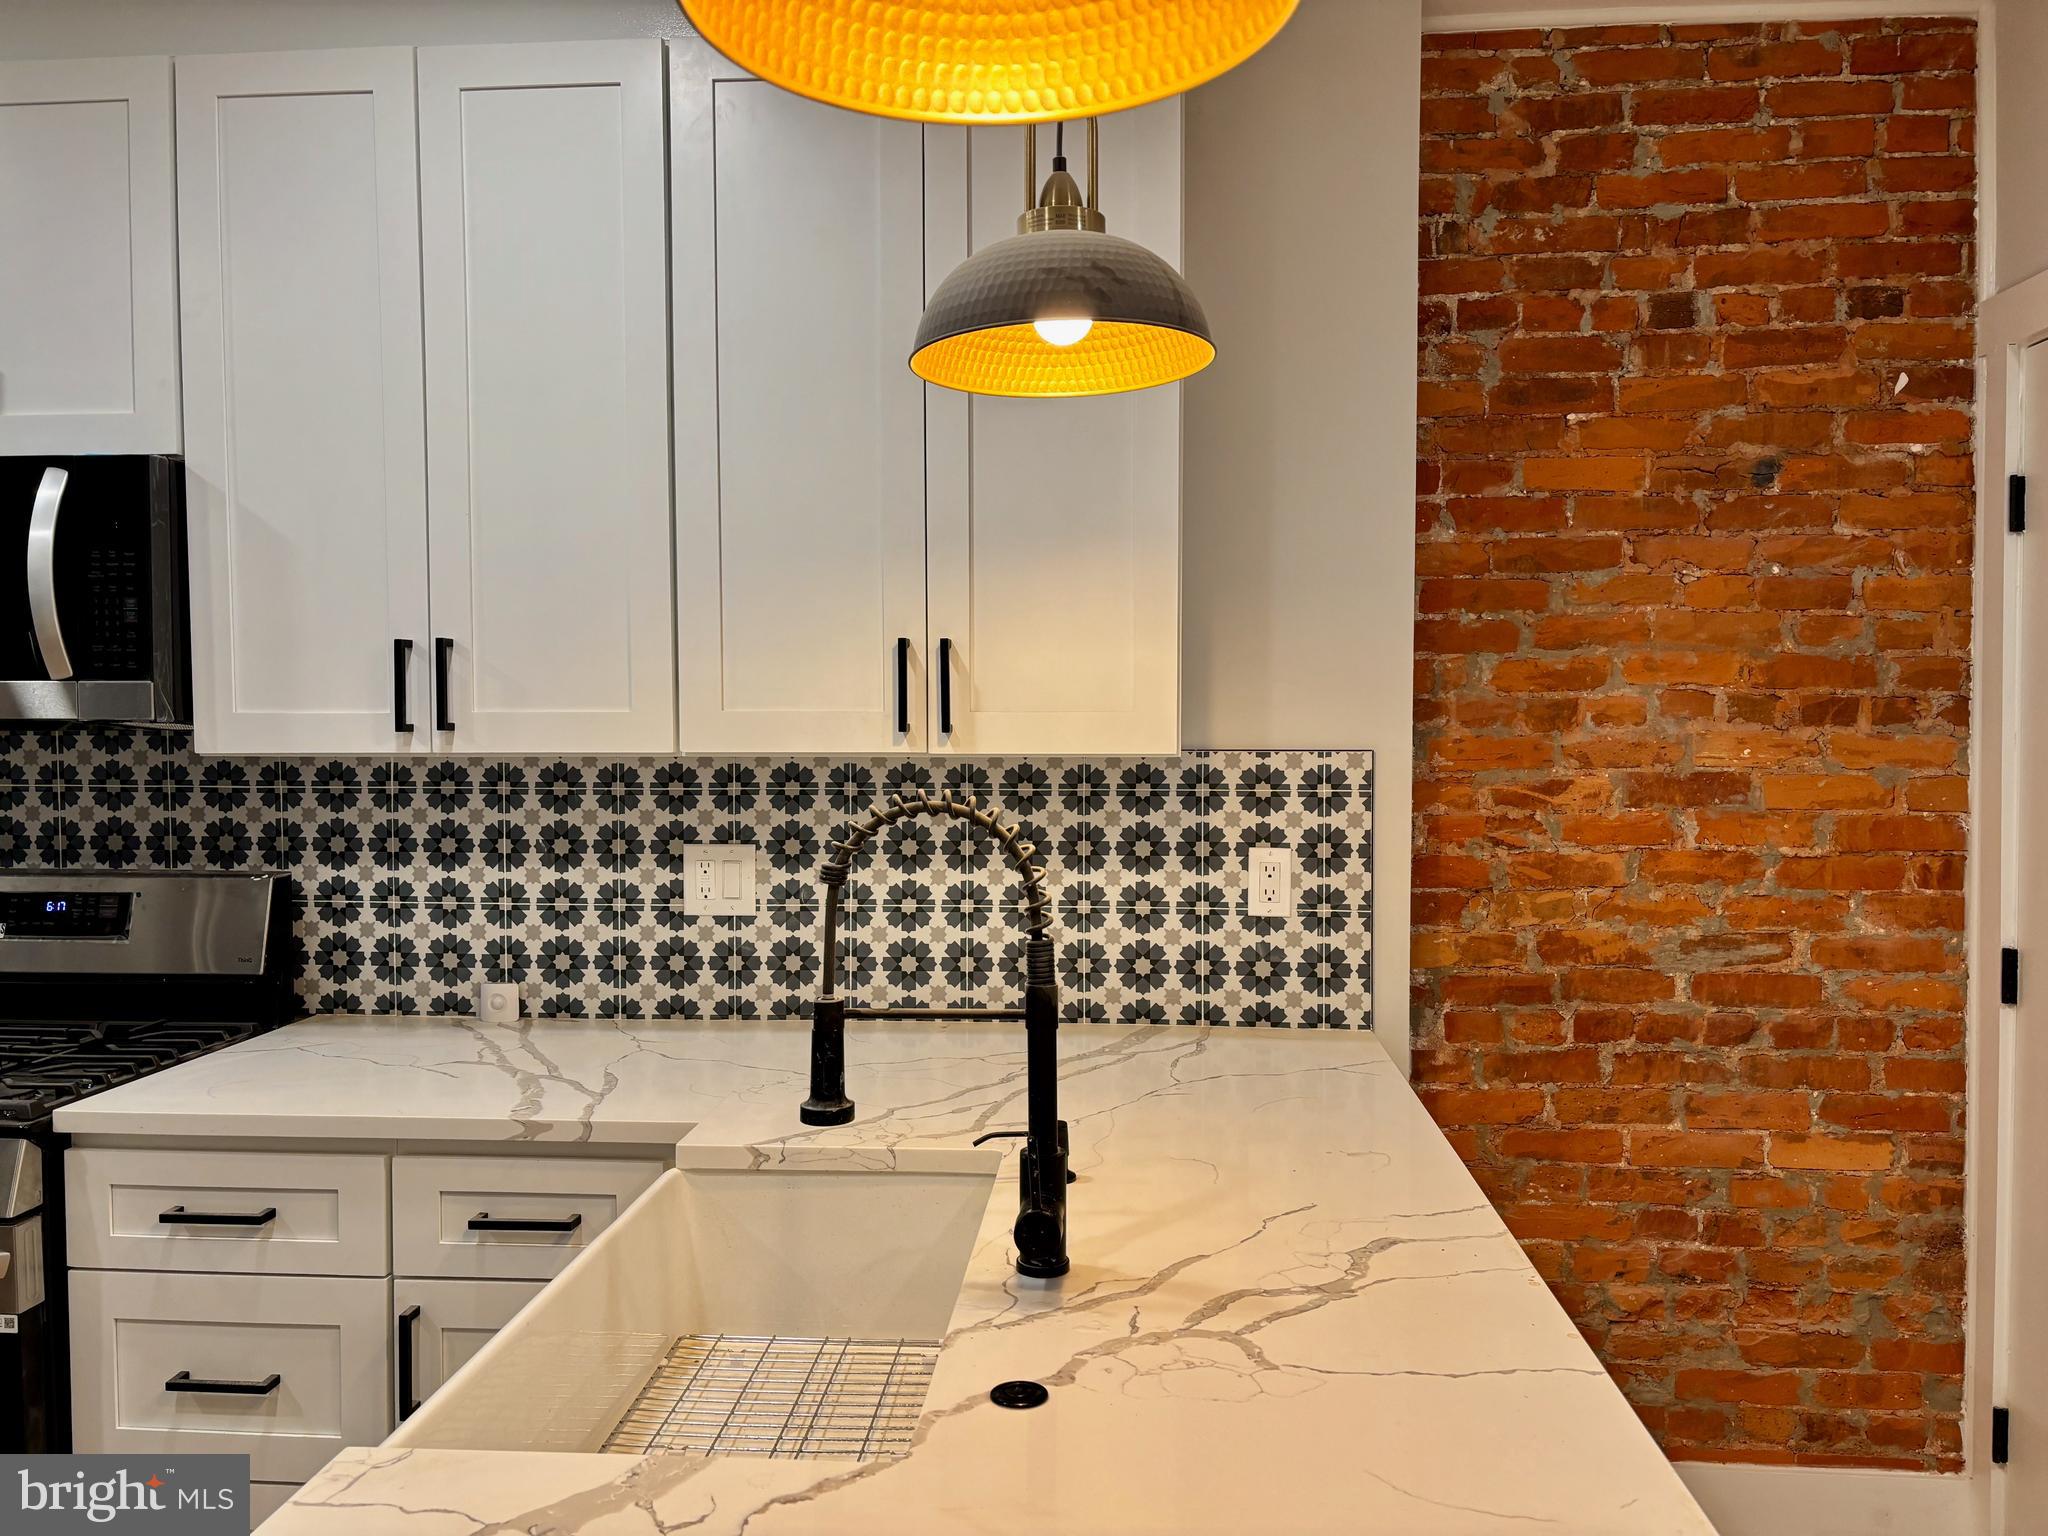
[1062, 307]
[987, 61]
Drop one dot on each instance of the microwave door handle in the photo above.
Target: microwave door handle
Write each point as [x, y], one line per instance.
[42, 573]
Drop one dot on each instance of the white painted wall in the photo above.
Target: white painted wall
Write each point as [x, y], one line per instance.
[1299, 503]
[2019, 131]
[1298, 494]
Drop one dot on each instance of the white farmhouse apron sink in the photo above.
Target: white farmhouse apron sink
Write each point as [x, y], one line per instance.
[839, 1245]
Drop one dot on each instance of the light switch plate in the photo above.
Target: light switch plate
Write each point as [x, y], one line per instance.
[1269, 890]
[719, 880]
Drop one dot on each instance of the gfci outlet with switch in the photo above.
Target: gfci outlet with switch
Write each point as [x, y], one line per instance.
[719, 881]
[1270, 892]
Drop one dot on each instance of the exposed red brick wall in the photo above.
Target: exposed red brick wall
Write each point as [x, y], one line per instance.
[1693, 556]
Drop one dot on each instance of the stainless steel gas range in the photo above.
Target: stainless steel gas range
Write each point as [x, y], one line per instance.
[104, 978]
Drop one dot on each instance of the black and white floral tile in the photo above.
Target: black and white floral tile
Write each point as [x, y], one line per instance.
[415, 879]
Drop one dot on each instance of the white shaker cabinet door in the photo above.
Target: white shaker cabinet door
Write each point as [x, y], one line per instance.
[298, 235]
[799, 439]
[1055, 524]
[283, 1369]
[88, 258]
[442, 1323]
[544, 251]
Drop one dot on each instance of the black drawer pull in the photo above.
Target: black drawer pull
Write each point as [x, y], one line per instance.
[185, 1381]
[903, 686]
[444, 717]
[408, 1324]
[178, 1216]
[945, 687]
[484, 1221]
[401, 695]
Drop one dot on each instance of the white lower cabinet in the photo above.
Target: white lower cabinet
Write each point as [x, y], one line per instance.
[303, 1213]
[285, 1368]
[441, 1323]
[245, 1301]
[266, 1499]
[505, 1218]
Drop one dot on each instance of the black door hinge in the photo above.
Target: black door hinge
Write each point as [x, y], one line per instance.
[2015, 503]
[2009, 977]
[2001, 1435]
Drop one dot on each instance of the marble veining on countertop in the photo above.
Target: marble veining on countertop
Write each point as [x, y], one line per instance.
[458, 1079]
[1291, 1309]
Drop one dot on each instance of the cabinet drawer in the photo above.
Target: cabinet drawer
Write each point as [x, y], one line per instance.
[505, 1218]
[266, 1499]
[310, 1354]
[455, 1319]
[265, 1213]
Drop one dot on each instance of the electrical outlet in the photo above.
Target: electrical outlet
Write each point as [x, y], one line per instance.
[497, 1002]
[719, 880]
[1270, 891]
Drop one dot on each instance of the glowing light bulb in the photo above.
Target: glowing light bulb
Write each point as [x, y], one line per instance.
[1063, 330]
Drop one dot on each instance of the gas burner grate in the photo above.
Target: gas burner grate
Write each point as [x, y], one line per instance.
[732, 1395]
[45, 1064]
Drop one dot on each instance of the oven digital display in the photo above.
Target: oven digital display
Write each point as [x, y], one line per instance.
[65, 914]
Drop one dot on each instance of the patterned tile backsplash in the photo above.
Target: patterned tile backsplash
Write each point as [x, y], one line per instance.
[414, 879]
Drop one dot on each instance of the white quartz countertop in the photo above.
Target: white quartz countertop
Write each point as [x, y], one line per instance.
[1290, 1310]
[456, 1079]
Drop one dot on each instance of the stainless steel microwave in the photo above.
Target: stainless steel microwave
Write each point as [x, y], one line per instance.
[93, 621]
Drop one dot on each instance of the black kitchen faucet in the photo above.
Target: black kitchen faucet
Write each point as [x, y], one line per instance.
[1041, 1229]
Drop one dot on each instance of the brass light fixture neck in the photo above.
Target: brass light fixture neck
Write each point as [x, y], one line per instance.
[1059, 205]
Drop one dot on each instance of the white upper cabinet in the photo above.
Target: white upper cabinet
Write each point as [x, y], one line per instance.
[545, 290]
[88, 260]
[453, 319]
[298, 217]
[428, 322]
[1054, 525]
[799, 438]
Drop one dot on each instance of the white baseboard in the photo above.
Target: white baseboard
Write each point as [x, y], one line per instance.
[1824, 1501]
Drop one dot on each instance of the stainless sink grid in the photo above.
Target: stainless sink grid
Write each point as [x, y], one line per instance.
[731, 1395]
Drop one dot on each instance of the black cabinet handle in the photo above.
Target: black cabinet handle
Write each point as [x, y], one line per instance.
[178, 1216]
[443, 649]
[903, 687]
[401, 703]
[945, 687]
[185, 1381]
[484, 1221]
[407, 1324]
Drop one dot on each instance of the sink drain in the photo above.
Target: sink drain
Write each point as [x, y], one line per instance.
[1017, 1394]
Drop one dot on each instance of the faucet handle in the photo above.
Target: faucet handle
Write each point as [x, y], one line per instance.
[1025, 1135]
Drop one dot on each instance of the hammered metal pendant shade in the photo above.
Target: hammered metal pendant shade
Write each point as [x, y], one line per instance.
[987, 61]
[979, 331]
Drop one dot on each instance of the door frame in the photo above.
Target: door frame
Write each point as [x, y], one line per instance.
[2007, 325]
